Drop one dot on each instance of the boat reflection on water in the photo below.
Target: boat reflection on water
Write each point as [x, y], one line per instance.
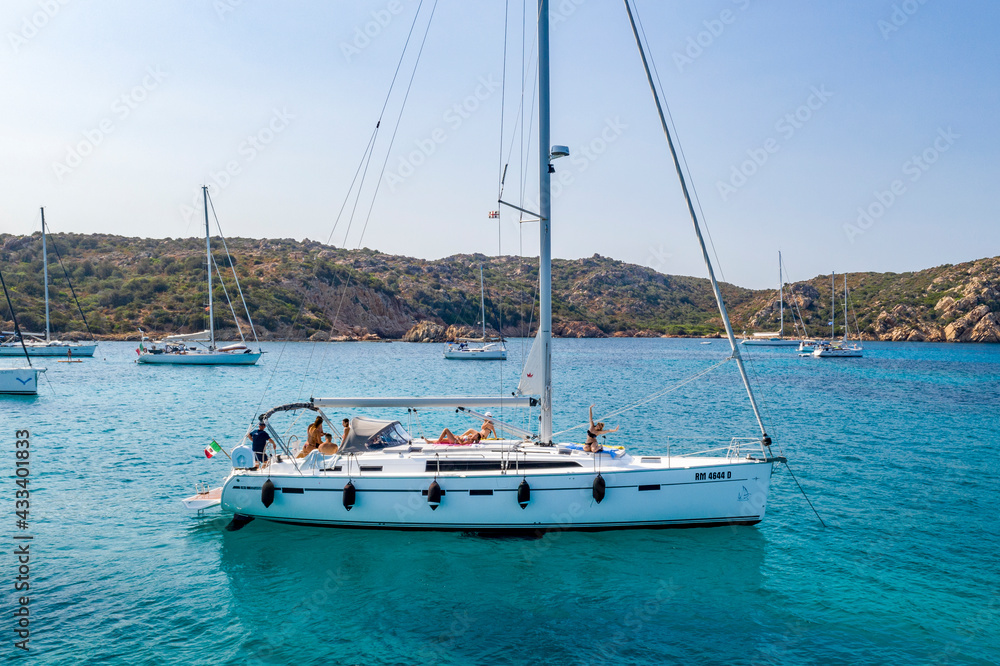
[387, 596]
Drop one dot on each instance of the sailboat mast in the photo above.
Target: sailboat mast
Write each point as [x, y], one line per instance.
[482, 301]
[545, 229]
[833, 307]
[45, 271]
[697, 229]
[845, 307]
[208, 254]
[781, 299]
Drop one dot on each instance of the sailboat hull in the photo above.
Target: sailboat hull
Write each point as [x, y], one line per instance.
[477, 354]
[19, 381]
[721, 494]
[195, 358]
[15, 349]
[773, 342]
[847, 352]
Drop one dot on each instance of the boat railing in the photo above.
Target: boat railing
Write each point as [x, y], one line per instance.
[741, 447]
[718, 450]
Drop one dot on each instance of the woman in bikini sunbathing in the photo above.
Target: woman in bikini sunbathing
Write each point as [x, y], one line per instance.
[448, 437]
[485, 430]
[595, 430]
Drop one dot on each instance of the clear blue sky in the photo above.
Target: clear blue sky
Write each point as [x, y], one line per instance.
[161, 96]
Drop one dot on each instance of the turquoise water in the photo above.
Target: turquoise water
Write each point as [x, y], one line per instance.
[898, 451]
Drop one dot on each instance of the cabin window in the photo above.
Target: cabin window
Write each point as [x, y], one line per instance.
[495, 465]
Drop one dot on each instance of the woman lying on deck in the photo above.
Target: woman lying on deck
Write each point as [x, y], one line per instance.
[448, 437]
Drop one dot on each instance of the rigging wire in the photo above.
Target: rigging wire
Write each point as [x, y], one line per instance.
[395, 129]
[697, 201]
[802, 320]
[366, 157]
[764, 403]
[229, 301]
[13, 317]
[388, 151]
[385, 103]
[680, 148]
[232, 266]
[70, 283]
[500, 178]
[651, 397]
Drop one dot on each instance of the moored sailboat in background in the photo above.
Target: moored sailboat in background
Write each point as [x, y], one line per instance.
[37, 344]
[774, 339]
[179, 350]
[481, 349]
[838, 348]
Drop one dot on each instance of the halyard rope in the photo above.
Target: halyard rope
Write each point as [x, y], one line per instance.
[651, 397]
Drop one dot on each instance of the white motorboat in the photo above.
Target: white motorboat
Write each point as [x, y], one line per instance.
[382, 477]
[200, 348]
[774, 339]
[477, 349]
[38, 344]
[838, 348]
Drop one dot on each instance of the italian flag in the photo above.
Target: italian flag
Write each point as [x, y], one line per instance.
[212, 449]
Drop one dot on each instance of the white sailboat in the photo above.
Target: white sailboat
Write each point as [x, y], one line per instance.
[383, 477]
[837, 348]
[18, 380]
[36, 344]
[774, 339]
[188, 349]
[477, 349]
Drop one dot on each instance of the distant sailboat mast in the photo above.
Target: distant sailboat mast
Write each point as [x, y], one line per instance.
[45, 272]
[833, 306]
[208, 253]
[781, 299]
[482, 301]
[845, 307]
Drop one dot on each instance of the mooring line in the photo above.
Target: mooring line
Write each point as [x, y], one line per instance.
[804, 494]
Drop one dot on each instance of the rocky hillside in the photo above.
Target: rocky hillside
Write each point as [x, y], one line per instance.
[951, 303]
[308, 290]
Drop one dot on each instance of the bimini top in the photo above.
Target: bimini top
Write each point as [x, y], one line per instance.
[374, 435]
[188, 337]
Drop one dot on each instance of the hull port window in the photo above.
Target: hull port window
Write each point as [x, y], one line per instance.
[495, 465]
